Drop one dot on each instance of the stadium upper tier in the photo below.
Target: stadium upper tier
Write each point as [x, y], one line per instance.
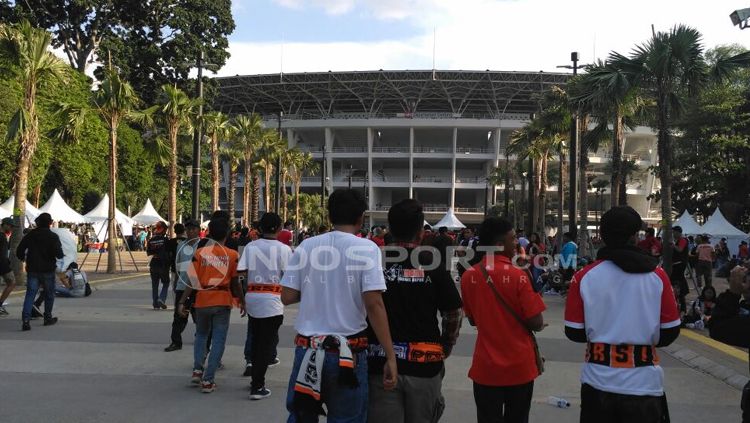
[372, 94]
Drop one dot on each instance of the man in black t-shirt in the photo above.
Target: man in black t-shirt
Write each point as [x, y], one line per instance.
[159, 265]
[413, 298]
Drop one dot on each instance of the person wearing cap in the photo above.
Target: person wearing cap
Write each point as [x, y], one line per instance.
[159, 265]
[679, 264]
[6, 273]
[622, 306]
[40, 249]
[181, 256]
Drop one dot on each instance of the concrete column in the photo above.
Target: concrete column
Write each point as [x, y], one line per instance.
[411, 162]
[496, 161]
[370, 193]
[291, 139]
[453, 169]
[329, 161]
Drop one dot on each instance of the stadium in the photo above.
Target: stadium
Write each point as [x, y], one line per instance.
[430, 135]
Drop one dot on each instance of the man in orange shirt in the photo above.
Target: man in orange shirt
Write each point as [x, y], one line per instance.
[214, 277]
[504, 364]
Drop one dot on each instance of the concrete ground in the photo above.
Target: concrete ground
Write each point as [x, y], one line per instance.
[104, 362]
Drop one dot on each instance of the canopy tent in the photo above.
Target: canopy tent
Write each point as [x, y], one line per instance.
[69, 248]
[61, 211]
[99, 215]
[5, 212]
[450, 221]
[688, 224]
[719, 227]
[148, 215]
[31, 211]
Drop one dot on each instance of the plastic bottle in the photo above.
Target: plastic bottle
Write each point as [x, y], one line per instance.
[558, 402]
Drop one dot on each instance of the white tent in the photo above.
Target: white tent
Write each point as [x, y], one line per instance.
[69, 247]
[31, 211]
[5, 212]
[148, 215]
[450, 221]
[98, 217]
[688, 224]
[719, 227]
[61, 211]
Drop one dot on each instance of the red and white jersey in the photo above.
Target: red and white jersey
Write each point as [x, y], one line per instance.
[615, 307]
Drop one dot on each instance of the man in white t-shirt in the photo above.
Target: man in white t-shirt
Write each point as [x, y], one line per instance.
[264, 261]
[623, 307]
[338, 280]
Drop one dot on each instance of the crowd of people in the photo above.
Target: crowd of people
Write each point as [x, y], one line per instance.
[377, 318]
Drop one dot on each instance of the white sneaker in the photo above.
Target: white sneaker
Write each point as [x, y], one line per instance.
[3, 311]
[275, 362]
[700, 325]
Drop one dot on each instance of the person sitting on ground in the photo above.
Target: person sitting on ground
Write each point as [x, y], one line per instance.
[700, 309]
[74, 283]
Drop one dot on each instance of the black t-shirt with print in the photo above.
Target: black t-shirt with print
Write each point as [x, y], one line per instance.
[412, 300]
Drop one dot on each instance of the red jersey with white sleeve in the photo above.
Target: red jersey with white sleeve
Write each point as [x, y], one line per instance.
[619, 308]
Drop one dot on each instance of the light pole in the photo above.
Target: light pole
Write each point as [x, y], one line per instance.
[323, 180]
[351, 169]
[196, 171]
[741, 18]
[277, 207]
[573, 160]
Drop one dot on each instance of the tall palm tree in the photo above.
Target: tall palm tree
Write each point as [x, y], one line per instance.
[269, 149]
[247, 131]
[233, 155]
[27, 49]
[299, 164]
[217, 126]
[173, 112]
[115, 102]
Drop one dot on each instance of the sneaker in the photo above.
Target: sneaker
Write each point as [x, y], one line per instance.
[690, 325]
[197, 377]
[26, 325]
[259, 394]
[700, 325]
[162, 305]
[173, 347]
[3, 311]
[275, 362]
[221, 366]
[36, 312]
[207, 387]
[248, 369]
[51, 321]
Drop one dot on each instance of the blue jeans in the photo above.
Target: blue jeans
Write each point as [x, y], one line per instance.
[159, 276]
[33, 282]
[344, 405]
[213, 321]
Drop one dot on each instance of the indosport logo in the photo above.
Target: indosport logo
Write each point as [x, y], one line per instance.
[202, 264]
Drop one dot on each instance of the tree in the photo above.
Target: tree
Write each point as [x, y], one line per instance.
[115, 103]
[159, 41]
[27, 49]
[173, 113]
[233, 154]
[299, 164]
[217, 127]
[78, 27]
[248, 130]
[270, 148]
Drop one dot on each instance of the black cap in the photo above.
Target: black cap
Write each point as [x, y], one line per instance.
[619, 224]
[8, 221]
[44, 220]
[192, 223]
[677, 228]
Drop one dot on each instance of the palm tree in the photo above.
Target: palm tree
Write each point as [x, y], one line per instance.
[269, 149]
[233, 155]
[27, 49]
[247, 130]
[115, 102]
[217, 127]
[173, 112]
[299, 164]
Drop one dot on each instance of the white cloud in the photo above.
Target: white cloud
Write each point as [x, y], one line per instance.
[524, 35]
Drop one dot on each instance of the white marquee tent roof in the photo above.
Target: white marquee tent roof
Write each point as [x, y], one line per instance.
[719, 226]
[31, 211]
[148, 215]
[101, 212]
[61, 211]
[450, 221]
[688, 224]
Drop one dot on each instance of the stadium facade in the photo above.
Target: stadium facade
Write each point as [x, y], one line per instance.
[430, 135]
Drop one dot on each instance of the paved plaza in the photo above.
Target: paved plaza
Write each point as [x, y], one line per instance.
[104, 362]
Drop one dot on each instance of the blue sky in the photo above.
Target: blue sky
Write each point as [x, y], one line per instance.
[520, 35]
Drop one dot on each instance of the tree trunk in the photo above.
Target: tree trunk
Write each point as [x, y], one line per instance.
[583, 161]
[215, 172]
[26, 148]
[267, 175]
[246, 192]
[664, 149]
[296, 207]
[506, 190]
[515, 203]
[522, 203]
[284, 197]
[112, 224]
[231, 191]
[255, 206]
[541, 222]
[37, 195]
[172, 198]
[560, 197]
[617, 141]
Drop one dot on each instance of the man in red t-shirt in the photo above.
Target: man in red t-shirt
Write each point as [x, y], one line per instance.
[650, 244]
[504, 364]
[285, 236]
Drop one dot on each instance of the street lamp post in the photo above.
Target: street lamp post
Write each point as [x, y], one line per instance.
[278, 170]
[196, 171]
[573, 160]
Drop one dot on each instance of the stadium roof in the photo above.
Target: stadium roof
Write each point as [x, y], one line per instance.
[386, 93]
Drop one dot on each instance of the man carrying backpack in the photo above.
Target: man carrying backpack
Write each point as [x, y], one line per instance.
[73, 284]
